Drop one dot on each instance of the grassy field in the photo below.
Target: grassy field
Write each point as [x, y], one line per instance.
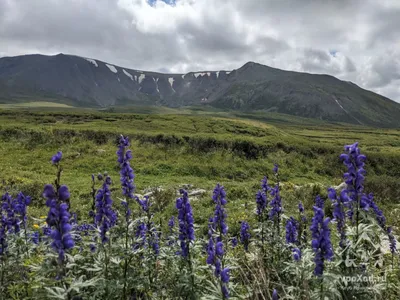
[189, 146]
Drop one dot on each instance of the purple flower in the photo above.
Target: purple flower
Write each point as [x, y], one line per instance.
[171, 225]
[234, 242]
[296, 254]
[264, 184]
[275, 295]
[140, 234]
[275, 169]
[291, 231]
[105, 217]
[339, 204]
[380, 218]
[354, 161]
[126, 172]
[245, 235]
[319, 202]
[144, 203]
[60, 233]
[354, 178]
[261, 201]
[21, 203]
[35, 237]
[56, 158]
[225, 275]
[92, 248]
[210, 251]
[154, 240]
[219, 221]
[10, 206]
[186, 222]
[225, 291]
[49, 192]
[276, 204]
[301, 207]
[63, 193]
[321, 242]
[392, 240]
[219, 249]
[171, 222]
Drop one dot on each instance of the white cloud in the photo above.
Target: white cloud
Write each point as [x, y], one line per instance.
[194, 35]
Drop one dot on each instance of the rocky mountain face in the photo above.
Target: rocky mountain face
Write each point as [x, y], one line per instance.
[92, 83]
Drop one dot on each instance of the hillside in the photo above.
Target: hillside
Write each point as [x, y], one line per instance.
[85, 82]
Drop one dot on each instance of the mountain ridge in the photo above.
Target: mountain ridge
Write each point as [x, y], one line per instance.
[90, 82]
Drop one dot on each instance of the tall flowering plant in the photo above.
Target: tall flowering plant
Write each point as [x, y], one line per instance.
[215, 249]
[321, 239]
[185, 223]
[124, 155]
[276, 203]
[58, 217]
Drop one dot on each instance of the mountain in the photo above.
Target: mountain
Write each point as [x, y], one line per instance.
[92, 83]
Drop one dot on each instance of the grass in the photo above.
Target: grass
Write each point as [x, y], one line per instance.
[34, 104]
[193, 145]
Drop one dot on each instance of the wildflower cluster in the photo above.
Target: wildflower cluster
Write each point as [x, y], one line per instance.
[149, 257]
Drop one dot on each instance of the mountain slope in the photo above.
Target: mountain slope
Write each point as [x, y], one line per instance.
[92, 83]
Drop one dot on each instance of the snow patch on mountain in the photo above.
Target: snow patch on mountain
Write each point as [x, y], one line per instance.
[141, 77]
[128, 74]
[199, 74]
[92, 61]
[112, 68]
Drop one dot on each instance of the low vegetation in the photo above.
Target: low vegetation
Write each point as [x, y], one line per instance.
[192, 220]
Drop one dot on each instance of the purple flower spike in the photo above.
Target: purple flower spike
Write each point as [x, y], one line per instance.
[56, 158]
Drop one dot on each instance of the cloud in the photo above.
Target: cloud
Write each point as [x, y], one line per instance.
[353, 40]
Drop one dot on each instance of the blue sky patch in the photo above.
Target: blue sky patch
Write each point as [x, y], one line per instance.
[169, 2]
[333, 52]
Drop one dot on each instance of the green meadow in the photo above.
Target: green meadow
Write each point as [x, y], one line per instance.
[197, 146]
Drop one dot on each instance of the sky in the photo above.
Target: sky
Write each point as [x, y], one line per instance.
[354, 40]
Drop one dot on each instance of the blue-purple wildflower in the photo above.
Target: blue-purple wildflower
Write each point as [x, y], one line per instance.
[275, 169]
[56, 158]
[141, 232]
[186, 223]
[225, 280]
[35, 237]
[234, 242]
[144, 203]
[105, 217]
[60, 234]
[245, 235]
[219, 221]
[321, 242]
[296, 254]
[126, 172]
[319, 202]
[292, 231]
[264, 184]
[261, 201]
[8, 205]
[275, 295]
[171, 225]
[339, 215]
[276, 204]
[392, 240]
[301, 207]
[21, 203]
